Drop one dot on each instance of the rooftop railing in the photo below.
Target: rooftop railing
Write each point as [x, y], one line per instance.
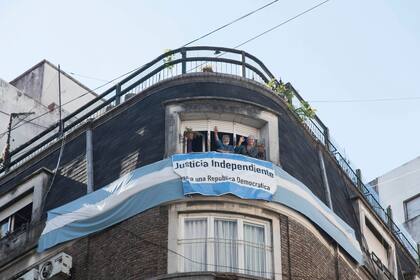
[191, 60]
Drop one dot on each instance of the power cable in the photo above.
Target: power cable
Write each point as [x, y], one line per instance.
[281, 24]
[241, 44]
[123, 75]
[230, 23]
[88, 77]
[270, 29]
[44, 198]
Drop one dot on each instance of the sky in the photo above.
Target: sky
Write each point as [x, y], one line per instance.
[356, 51]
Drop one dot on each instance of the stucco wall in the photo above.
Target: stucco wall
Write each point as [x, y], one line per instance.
[13, 100]
[397, 186]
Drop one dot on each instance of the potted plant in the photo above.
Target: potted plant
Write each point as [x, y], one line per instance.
[207, 68]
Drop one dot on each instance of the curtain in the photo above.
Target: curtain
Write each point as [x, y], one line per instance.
[195, 247]
[255, 251]
[225, 245]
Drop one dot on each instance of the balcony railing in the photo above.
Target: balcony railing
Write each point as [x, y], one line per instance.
[383, 270]
[191, 60]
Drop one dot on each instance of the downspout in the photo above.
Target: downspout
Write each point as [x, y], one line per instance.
[89, 157]
[325, 178]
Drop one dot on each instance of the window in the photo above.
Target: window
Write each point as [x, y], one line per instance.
[204, 140]
[412, 207]
[380, 244]
[376, 242]
[16, 215]
[226, 244]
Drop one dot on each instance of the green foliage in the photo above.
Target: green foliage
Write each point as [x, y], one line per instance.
[281, 89]
[304, 112]
[168, 59]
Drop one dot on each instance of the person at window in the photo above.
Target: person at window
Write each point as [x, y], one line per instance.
[261, 151]
[249, 149]
[223, 146]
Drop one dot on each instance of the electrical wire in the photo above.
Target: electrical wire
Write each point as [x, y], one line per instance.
[241, 44]
[88, 77]
[193, 41]
[44, 198]
[281, 24]
[269, 30]
[230, 23]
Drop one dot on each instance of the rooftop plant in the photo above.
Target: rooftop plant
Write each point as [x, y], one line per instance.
[304, 112]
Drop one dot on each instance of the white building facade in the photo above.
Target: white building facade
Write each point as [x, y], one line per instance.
[400, 189]
[36, 92]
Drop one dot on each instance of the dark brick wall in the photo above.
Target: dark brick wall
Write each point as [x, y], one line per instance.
[124, 251]
[304, 256]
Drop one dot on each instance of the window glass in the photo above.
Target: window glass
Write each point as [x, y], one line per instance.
[225, 248]
[195, 245]
[254, 250]
[413, 208]
[226, 244]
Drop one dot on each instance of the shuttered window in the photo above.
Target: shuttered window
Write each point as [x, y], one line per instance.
[412, 207]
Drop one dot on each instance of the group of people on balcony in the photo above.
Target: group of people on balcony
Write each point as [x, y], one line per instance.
[249, 147]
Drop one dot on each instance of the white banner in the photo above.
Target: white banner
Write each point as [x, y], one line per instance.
[221, 173]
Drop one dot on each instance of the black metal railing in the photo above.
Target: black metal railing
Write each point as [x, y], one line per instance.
[191, 60]
[381, 267]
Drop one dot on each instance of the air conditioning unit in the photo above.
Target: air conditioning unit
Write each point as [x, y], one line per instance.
[56, 268]
[30, 275]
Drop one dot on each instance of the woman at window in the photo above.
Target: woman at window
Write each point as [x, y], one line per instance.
[249, 149]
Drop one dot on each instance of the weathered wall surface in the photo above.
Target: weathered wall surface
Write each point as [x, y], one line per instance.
[13, 100]
[133, 249]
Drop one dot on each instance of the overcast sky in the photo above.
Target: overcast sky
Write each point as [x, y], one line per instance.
[342, 51]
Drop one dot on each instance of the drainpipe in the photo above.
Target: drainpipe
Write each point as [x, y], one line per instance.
[325, 178]
[89, 157]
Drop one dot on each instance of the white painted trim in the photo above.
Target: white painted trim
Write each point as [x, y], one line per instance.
[365, 213]
[266, 127]
[232, 210]
[12, 209]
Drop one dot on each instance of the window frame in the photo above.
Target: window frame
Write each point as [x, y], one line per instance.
[241, 220]
[405, 202]
[236, 129]
[391, 251]
[177, 111]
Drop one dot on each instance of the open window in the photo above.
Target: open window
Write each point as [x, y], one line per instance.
[380, 245]
[16, 217]
[21, 206]
[232, 118]
[199, 134]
